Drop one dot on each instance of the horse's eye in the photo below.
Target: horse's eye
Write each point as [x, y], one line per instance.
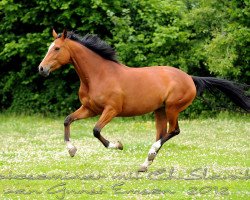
[57, 48]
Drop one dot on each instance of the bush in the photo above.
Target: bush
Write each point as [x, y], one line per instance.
[203, 38]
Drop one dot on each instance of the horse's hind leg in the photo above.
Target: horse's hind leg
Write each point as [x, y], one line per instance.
[160, 123]
[172, 118]
[81, 113]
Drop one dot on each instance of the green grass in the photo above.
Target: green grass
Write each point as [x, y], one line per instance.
[208, 160]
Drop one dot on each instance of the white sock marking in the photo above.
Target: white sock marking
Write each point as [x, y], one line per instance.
[69, 145]
[152, 153]
[112, 145]
[155, 147]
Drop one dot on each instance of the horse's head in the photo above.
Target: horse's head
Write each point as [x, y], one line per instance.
[57, 55]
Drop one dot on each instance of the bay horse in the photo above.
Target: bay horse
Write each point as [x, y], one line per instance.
[111, 89]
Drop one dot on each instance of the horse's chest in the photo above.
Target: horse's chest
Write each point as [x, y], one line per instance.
[94, 104]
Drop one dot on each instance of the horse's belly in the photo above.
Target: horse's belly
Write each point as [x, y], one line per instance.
[141, 106]
[136, 111]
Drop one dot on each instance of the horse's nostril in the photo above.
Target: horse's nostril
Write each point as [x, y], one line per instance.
[41, 69]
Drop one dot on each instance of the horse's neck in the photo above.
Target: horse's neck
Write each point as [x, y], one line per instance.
[87, 64]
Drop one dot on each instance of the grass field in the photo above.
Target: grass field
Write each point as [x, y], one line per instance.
[208, 160]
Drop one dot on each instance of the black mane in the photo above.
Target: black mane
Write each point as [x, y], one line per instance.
[94, 43]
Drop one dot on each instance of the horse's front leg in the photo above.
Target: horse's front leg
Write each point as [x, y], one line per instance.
[108, 114]
[81, 113]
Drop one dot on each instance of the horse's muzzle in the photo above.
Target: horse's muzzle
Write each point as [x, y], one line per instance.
[44, 71]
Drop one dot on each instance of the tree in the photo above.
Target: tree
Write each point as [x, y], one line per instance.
[202, 37]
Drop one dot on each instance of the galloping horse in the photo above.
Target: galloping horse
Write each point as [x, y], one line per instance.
[110, 89]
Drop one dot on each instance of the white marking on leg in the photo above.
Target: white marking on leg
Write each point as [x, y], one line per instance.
[155, 147]
[69, 145]
[112, 145]
[152, 154]
[117, 145]
[146, 163]
[71, 149]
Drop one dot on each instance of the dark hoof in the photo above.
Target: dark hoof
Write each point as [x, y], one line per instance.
[72, 151]
[142, 169]
[119, 145]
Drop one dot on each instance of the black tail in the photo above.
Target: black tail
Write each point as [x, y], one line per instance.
[236, 92]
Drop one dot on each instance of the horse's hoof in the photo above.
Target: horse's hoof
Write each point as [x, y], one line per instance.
[142, 169]
[119, 145]
[72, 151]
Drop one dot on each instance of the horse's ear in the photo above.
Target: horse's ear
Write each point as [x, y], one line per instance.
[54, 34]
[64, 34]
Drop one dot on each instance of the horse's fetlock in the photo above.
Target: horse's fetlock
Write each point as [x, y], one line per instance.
[177, 131]
[151, 156]
[96, 132]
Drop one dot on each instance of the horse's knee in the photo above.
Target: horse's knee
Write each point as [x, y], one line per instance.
[96, 132]
[67, 120]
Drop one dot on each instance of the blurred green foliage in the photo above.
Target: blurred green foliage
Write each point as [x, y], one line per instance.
[201, 37]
